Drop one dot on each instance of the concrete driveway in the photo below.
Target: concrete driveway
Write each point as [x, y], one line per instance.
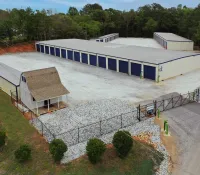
[184, 123]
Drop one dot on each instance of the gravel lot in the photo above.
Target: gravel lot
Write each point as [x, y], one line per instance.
[184, 124]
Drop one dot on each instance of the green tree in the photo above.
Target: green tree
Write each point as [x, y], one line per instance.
[73, 11]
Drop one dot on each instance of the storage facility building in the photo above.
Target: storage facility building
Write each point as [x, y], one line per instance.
[107, 38]
[171, 41]
[154, 64]
[9, 80]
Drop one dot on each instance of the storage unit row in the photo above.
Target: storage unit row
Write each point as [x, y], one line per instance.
[107, 62]
[108, 38]
[161, 41]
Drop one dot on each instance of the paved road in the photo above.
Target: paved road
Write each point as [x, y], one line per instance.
[184, 124]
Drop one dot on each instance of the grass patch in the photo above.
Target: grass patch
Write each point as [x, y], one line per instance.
[140, 161]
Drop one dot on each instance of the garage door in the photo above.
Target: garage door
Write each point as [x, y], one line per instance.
[112, 64]
[150, 72]
[38, 47]
[47, 49]
[135, 69]
[102, 61]
[70, 54]
[57, 52]
[77, 56]
[63, 53]
[101, 40]
[42, 48]
[84, 58]
[52, 51]
[123, 66]
[93, 60]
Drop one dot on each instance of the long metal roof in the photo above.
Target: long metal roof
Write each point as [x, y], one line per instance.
[172, 37]
[135, 53]
[10, 74]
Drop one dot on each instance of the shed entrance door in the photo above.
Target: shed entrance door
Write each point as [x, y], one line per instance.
[46, 103]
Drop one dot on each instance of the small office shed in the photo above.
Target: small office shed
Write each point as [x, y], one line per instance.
[150, 63]
[9, 80]
[172, 41]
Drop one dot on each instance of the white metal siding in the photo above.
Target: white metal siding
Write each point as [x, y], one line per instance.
[178, 67]
[185, 46]
[6, 86]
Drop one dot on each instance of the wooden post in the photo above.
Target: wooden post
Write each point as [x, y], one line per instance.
[37, 107]
[48, 105]
[58, 103]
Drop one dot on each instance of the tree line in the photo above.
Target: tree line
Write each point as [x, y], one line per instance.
[92, 20]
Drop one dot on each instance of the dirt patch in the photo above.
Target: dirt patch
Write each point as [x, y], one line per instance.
[170, 144]
[24, 47]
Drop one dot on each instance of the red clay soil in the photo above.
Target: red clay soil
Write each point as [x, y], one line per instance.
[25, 47]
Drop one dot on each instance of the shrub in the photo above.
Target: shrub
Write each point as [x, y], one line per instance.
[23, 153]
[123, 143]
[95, 149]
[2, 138]
[57, 148]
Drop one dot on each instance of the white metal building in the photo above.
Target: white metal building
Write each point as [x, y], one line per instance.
[151, 63]
[171, 41]
[9, 80]
[107, 38]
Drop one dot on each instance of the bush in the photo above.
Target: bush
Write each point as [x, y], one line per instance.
[95, 149]
[23, 153]
[123, 143]
[57, 148]
[2, 138]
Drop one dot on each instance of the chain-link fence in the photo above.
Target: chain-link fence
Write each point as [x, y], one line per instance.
[102, 127]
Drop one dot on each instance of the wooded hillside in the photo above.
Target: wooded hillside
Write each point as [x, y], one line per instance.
[92, 20]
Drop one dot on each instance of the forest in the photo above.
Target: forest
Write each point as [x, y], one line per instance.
[23, 25]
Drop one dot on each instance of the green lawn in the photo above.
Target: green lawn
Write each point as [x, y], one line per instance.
[19, 131]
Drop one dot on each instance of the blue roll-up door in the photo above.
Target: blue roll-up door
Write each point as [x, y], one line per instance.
[123, 66]
[42, 48]
[93, 60]
[57, 52]
[101, 40]
[38, 47]
[150, 72]
[52, 51]
[102, 61]
[136, 69]
[63, 53]
[84, 58]
[70, 54]
[112, 64]
[47, 49]
[77, 56]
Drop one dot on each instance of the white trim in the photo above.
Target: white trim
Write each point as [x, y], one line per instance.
[117, 65]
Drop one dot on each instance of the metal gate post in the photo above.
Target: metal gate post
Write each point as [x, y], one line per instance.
[139, 113]
[121, 120]
[100, 127]
[155, 107]
[78, 134]
[163, 104]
